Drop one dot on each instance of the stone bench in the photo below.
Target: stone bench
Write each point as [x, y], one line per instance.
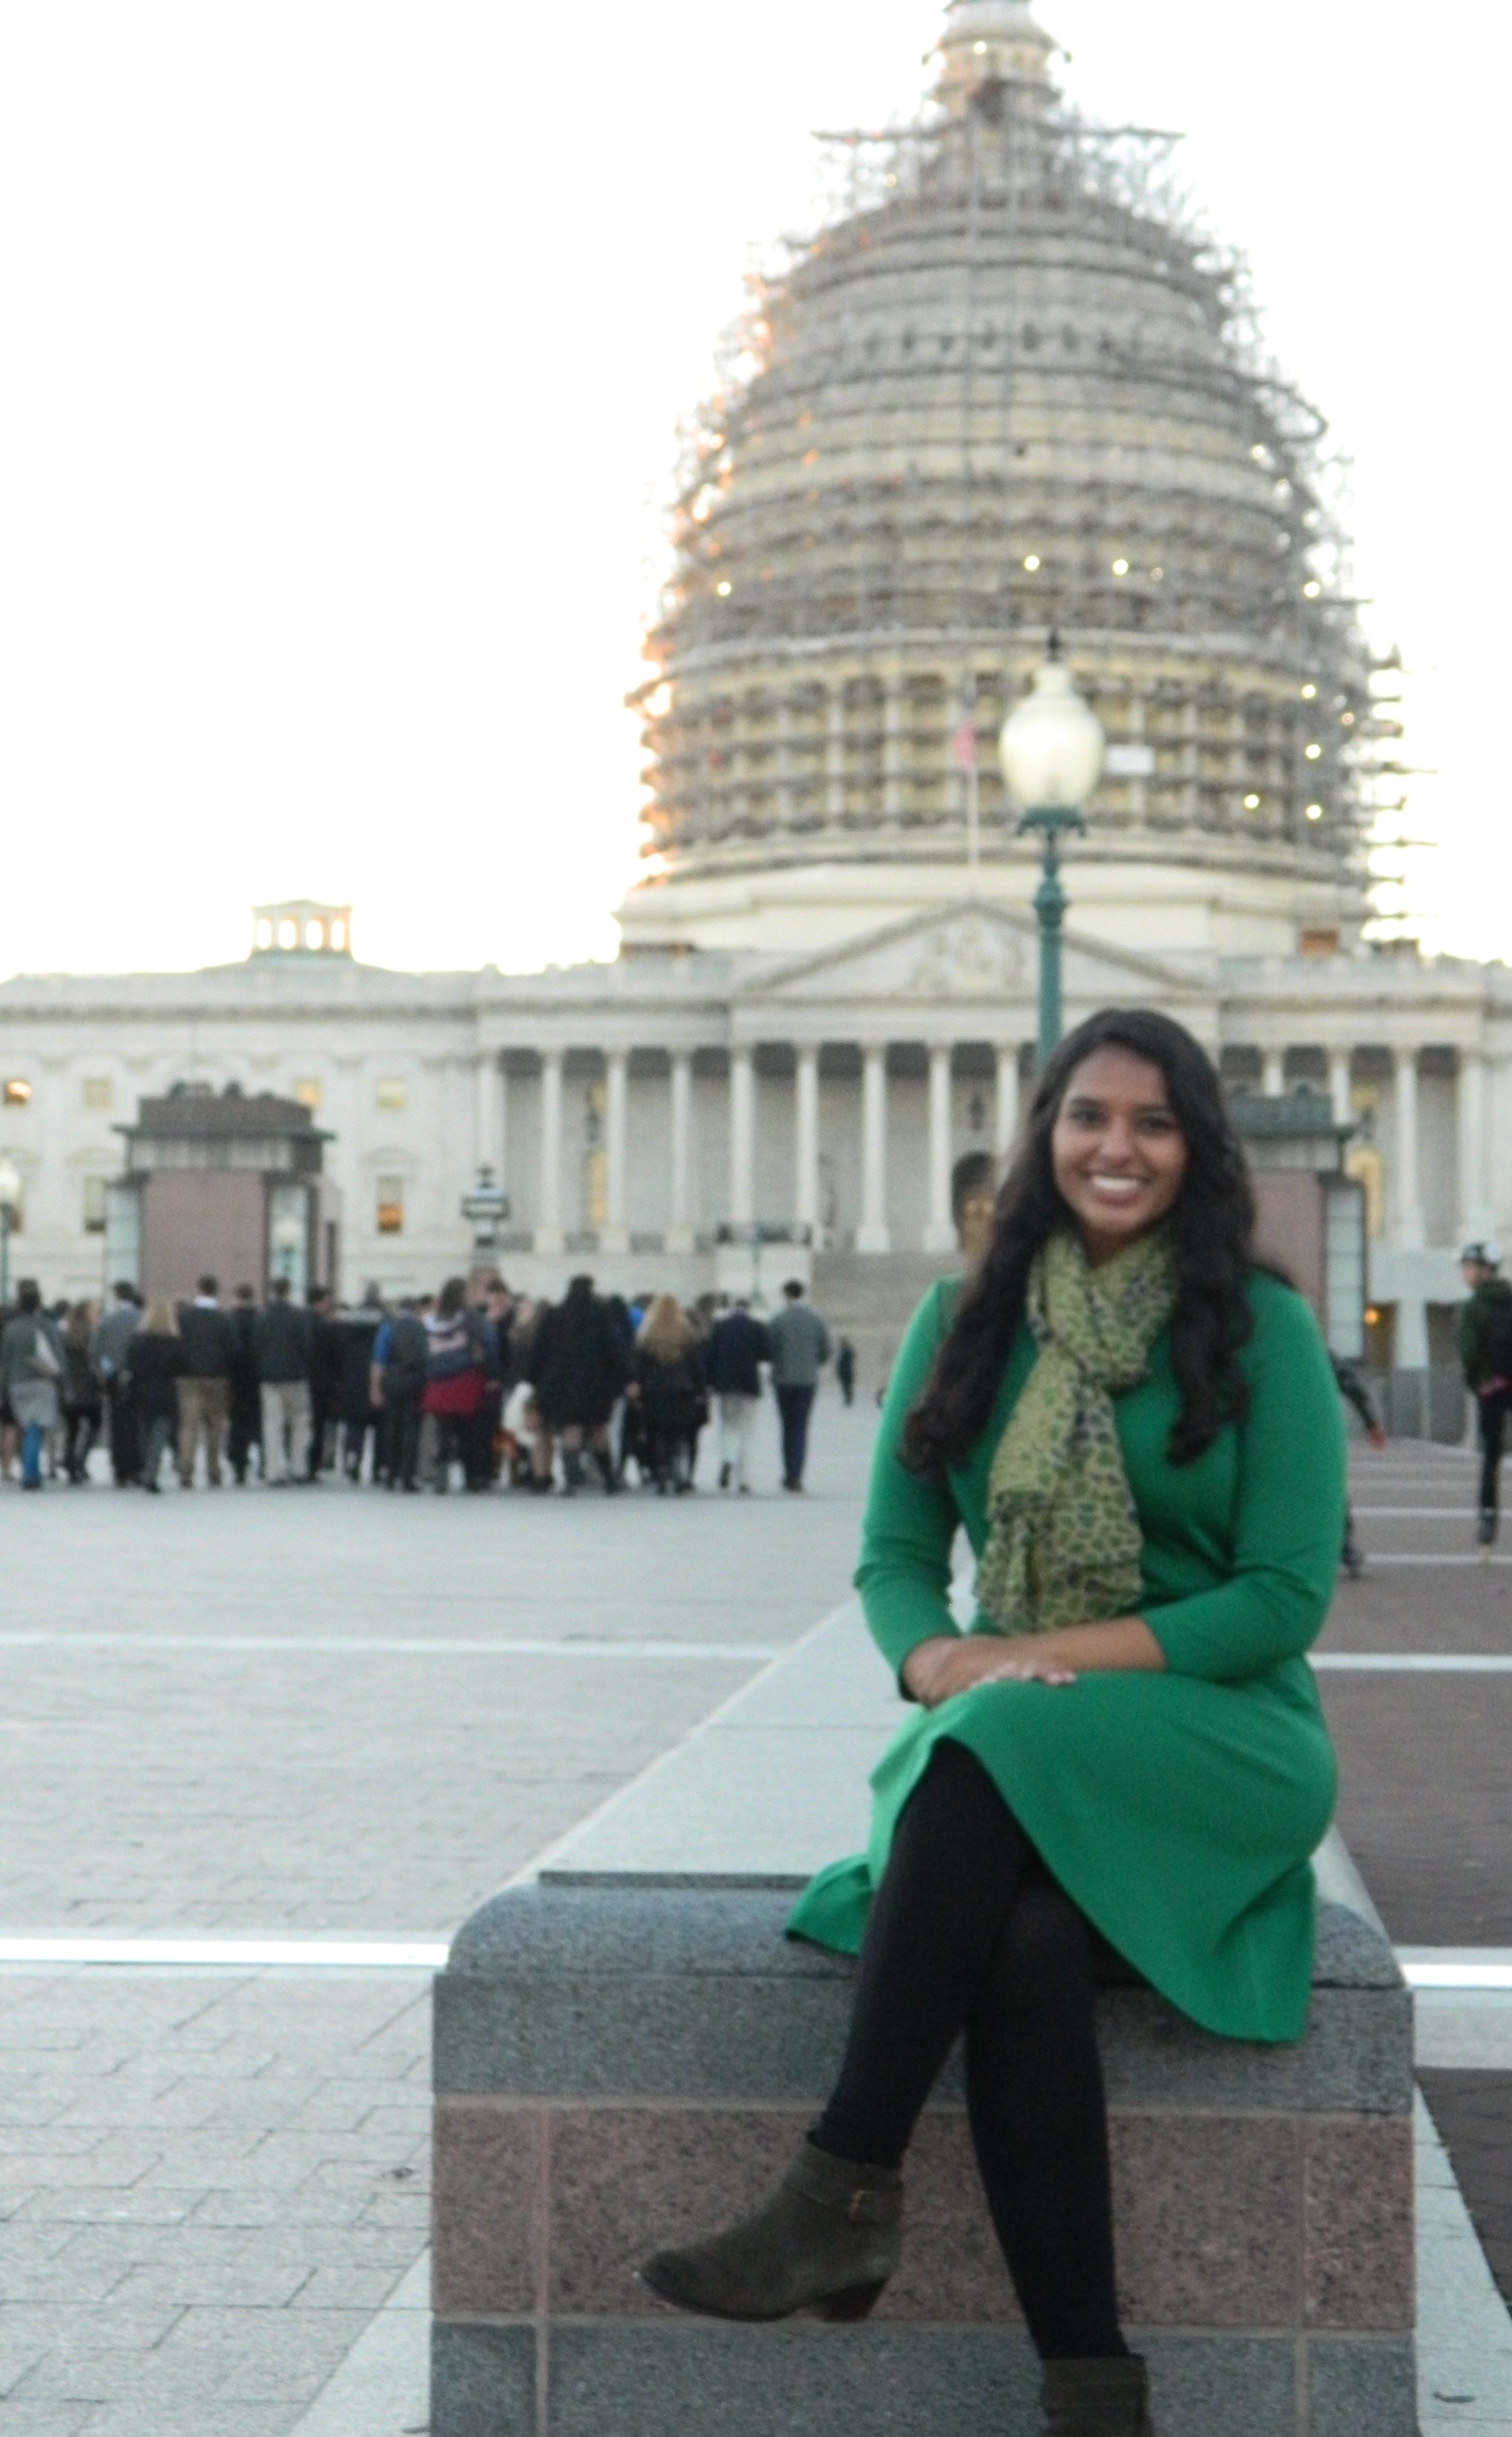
[621, 2064]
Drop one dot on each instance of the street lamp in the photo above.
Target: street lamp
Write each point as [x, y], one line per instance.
[485, 1209]
[1051, 749]
[9, 1205]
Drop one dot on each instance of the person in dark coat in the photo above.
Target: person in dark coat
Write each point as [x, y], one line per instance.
[156, 1359]
[282, 1338]
[1486, 1354]
[667, 1387]
[580, 1367]
[400, 1360]
[361, 1410]
[738, 1345]
[245, 1431]
[81, 1400]
[325, 1379]
[112, 1334]
[204, 1382]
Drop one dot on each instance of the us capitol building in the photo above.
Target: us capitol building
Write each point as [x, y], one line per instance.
[1006, 390]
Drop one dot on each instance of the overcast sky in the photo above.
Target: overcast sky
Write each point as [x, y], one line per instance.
[344, 351]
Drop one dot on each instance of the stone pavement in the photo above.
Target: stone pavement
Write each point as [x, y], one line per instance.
[335, 1714]
[331, 1712]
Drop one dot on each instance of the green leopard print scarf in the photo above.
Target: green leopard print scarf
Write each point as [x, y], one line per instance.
[1063, 1541]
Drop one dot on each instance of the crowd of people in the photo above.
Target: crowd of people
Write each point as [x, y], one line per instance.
[474, 1384]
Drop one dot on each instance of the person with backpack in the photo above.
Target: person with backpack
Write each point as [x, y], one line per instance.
[400, 1360]
[1486, 1352]
[31, 1365]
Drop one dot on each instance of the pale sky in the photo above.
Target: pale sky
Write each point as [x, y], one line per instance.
[344, 349]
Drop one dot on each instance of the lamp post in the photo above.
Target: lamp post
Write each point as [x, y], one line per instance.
[10, 1204]
[485, 1209]
[1052, 749]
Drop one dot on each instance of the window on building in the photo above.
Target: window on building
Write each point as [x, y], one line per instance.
[94, 1205]
[17, 1092]
[393, 1092]
[308, 1092]
[97, 1091]
[391, 1205]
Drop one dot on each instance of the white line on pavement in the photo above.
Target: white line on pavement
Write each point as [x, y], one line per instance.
[1442, 1558]
[1425, 1967]
[1411, 1662]
[353, 1645]
[249, 1954]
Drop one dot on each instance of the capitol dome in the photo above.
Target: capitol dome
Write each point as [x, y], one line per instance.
[1008, 390]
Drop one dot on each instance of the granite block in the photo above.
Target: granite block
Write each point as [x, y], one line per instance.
[645, 2381]
[629, 1992]
[1221, 2386]
[488, 2210]
[1361, 2389]
[483, 2382]
[625, 2181]
[1207, 2215]
[953, 2269]
[1358, 2210]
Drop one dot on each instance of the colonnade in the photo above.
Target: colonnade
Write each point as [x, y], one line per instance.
[744, 1203]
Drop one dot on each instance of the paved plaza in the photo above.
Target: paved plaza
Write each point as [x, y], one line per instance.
[339, 1716]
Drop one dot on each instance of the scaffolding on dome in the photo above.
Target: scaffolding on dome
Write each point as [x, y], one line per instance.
[1009, 386]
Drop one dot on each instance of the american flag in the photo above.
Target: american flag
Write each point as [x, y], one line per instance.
[966, 742]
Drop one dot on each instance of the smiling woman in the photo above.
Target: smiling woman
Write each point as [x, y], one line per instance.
[1123, 1764]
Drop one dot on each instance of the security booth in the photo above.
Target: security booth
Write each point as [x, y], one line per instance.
[228, 1183]
[1311, 1214]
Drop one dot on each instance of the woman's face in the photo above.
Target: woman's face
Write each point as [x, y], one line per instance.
[1117, 1153]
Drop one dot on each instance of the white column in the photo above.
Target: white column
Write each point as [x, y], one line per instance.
[616, 1235]
[940, 1234]
[1007, 1097]
[486, 1077]
[680, 1229]
[548, 1222]
[1476, 1221]
[806, 1143]
[742, 1137]
[1410, 1232]
[1339, 1087]
[1272, 1073]
[871, 1235]
[501, 1105]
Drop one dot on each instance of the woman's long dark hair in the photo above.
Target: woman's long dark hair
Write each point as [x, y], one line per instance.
[1211, 1225]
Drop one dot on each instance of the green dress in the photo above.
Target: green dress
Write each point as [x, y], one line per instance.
[1180, 1811]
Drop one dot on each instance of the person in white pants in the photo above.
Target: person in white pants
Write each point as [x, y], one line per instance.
[737, 1349]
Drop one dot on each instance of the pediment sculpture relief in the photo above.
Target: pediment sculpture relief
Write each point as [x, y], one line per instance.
[970, 959]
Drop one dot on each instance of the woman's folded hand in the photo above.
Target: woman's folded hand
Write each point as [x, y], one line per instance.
[950, 1663]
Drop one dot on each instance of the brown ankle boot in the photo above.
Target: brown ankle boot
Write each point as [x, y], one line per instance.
[827, 2240]
[1096, 2398]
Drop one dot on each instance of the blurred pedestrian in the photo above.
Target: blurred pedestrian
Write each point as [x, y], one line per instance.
[244, 1394]
[738, 1345]
[455, 1382]
[580, 1367]
[801, 1346]
[1354, 1392]
[157, 1361]
[325, 1382]
[204, 1384]
[361, 1412]
[845, 1368]
[31, 1368]
[109, 1346]
[281, 1341]
[667, 1387]
[81, 1389]
[973, 1200]
[1486, 1354]
[400, 1352]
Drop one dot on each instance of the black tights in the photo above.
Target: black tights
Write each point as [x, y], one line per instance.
[968, 1932]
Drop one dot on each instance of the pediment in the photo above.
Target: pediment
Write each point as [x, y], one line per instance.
[967, 955]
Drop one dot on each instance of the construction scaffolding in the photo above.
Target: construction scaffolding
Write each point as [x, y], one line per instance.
[1008, 387]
